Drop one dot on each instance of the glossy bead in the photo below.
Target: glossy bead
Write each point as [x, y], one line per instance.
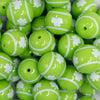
[58, 21]
[52, 66]
[87, 25]
[86, 98]
[6, 66]
[41, 42]
[28, 71]
[97, 43]
[24, 91]
[20, 12]
[86, 59]
[71, 80]
[6, 90]
[46, 90]
[14, 42]
[68, 43]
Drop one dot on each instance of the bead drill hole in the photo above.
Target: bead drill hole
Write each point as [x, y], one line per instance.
[85, 28]
[39, 37]
[28, 70]
[3, 7]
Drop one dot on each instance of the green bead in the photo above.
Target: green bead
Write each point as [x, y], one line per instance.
[28, 71]
[71, 80]
[86, 98]
[39, 24]
[86, 59]
[6, 65]
[68, 43]
[87, 25]
[41, 42]
[81, 6]
[14, 42]
[38, 6]
[46, 90]
[57, 3]
[94, 79]
[3, 6]
[58, 21]
[20, 12]
[6, 91]
[65, 95]
[1, 23]
[24, 91]
[87, 89]
[25, 29]
[50, 62]
[97, 43]
[98, 12]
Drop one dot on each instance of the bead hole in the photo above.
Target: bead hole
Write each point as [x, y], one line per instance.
[39, 37]
[28, 70]
[3, 7]
[85, 28]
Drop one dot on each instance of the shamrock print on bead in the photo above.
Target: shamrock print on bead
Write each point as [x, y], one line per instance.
[22, 42]
[94, 76]
[20, 85]
[37, 3]
[53, 85]
[96, 53]
[11, 93]
[17, 4]
[75, 60]
[81, 3]
[57, 21]
[8, 68]
[22, 21]
[76, 40]
[59, 59]
[37, 86]
[78, 76]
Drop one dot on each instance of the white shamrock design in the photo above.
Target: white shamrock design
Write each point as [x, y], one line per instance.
[15, 78]
[59, 59]
[11, 93]
[22, 21]
[96, 42]
[53, 84]
[78, 76]
[22, 42]
[75, 96]
[37, 86]
[50, 77]
[76, 40]
[56, 21]
[17, 4]
[96, 53]
[37, 3]
[20, 85]
[75, 60]
[81, 3]
[8, 68]
[94, 76]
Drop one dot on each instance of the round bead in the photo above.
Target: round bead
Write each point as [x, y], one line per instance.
[28, 71]
[14, 42]
[41, 41]
[24, 91]
[65, 95]
[86, 59]
[97, 43]
[58, 21]
[87, 89]
[82, 6]
[87, 25]
[7, 65]
[94, 79]
[1, 23]
[38, 7]
[46, 90]
[39, 24]
[20, 12]
[6, 91]
[71, 79]
[13, 76]
[50, 62]
[57, 3]
[86, 98]
[3, 6]
[68, 43]
[25, 29]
